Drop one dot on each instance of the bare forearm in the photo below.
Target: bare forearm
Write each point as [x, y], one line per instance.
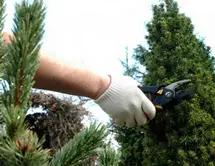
[56, 76]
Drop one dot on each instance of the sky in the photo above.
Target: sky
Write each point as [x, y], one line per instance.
[94, 33]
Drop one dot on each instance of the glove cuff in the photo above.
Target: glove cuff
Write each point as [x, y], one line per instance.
[110, 94]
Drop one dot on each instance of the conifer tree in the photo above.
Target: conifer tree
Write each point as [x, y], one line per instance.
[183, 134]
[19, 146]
[109, 156]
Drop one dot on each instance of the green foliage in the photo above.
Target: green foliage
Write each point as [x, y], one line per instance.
[132, 69]
[20, 146]
[108, 156]
[2, 48]
[130, 140]
[81, 147]
[21, 60]
[24, 151]
[184, 133]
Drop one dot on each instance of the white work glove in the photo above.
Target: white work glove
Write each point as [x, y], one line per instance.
[125, 103]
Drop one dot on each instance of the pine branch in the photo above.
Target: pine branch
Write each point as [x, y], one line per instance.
[81, 147]
[2, 16]
[24, 151]
[20, 147]
[2, 48]
[22, 54]
[21, 62]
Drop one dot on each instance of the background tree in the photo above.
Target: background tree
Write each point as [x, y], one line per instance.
[109, 156]
[132, 67]
[60, 121]
[182, 134]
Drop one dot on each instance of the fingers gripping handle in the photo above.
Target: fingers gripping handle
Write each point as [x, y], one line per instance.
[154, 94]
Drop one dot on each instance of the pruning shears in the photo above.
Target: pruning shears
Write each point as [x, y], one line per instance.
[163, 95]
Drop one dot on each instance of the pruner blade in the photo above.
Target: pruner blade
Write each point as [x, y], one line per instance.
[165, 95]
[183, 93]
[175, 85]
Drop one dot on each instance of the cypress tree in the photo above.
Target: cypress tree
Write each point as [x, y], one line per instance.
[183, 134]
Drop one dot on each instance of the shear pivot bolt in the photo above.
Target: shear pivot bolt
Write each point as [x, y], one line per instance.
[168, 94]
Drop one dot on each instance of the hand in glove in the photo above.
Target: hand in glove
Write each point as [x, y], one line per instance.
[125, 103]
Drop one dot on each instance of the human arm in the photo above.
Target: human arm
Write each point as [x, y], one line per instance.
[119, 97]
[56, 76]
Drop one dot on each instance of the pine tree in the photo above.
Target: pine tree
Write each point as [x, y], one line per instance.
[183, 134]
[20, 146]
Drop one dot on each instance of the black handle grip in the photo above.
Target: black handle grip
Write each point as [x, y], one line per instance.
[151, 94]
[150, 89]
[157, 95]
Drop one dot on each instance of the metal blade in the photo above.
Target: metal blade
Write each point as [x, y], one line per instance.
[183, 93]
[175, 85]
